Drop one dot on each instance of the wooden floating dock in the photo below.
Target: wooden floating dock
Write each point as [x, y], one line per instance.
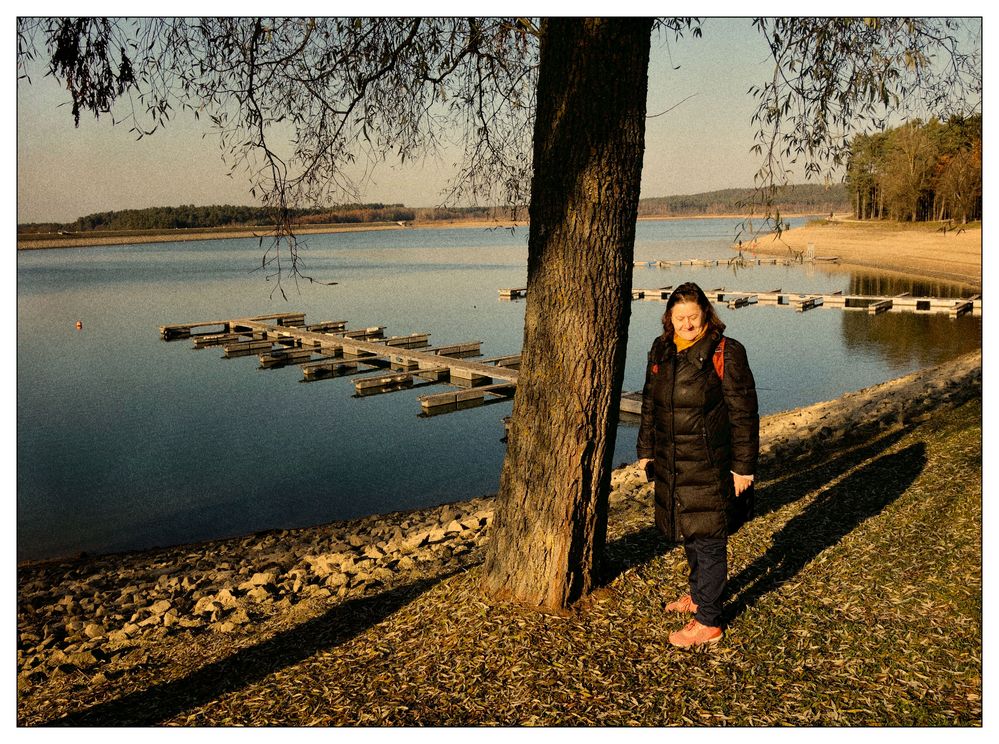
[873, 304]
[741, 260]
[803, 301]
[328, 349]
[185, 330]
[456, 400]
[631, 403]
[214, 339]
[659, 293]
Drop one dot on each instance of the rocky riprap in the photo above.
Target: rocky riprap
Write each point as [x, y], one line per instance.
[92, 619]
[82, 615]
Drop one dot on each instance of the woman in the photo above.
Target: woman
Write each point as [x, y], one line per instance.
[701, 432]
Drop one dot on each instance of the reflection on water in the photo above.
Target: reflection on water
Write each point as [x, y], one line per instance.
[906, 339]
[125, 441]
[865, 283]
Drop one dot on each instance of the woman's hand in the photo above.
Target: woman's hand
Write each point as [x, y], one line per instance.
[741, 483]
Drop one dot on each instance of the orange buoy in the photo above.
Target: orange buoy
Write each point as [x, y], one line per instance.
[79, 325]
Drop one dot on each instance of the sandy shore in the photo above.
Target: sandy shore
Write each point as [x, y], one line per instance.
[917, 250]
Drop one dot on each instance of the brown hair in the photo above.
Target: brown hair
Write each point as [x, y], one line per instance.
[690, 292]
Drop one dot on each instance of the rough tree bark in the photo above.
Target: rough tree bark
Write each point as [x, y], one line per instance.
[589, 140]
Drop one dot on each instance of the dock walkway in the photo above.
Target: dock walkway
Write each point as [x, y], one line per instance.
[327, 349]
[801, 301]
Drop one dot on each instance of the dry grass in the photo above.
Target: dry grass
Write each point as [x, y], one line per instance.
[856, 601]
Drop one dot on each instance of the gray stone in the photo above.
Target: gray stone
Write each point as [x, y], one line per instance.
[373, 551]
[470, 522]
[93, 630]
[336, 580]
[436, 535]
[158, 608]
[258, 594]
[326, 563]
[81, 660]
[205, 605]
[415, 539]
[226, 598]
[117, 637]
[263, 579]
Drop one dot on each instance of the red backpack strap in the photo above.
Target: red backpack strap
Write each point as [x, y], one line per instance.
[719, 359]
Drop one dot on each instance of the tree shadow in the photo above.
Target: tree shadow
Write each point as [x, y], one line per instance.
[810, 474]
[634, 549]
[163, 701]
[832, 515]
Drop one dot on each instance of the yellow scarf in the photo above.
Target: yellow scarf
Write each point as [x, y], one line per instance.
[682, 344]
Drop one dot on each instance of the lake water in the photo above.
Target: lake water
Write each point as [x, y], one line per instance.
[125, 441]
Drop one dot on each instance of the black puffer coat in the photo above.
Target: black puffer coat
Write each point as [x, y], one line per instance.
[699, 428]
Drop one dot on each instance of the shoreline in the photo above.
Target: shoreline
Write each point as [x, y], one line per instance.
[148, 613]
[910, 251]
[192, 234]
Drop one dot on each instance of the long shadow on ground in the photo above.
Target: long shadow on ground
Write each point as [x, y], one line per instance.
[166, 700]
[811, 474]
[641, 546]
[833, 514]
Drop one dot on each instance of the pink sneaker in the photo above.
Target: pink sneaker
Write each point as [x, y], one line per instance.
[683, 604]
[695, 634]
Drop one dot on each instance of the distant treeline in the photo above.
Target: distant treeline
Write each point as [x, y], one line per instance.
[918, 172]
[807, 198]
[801, 198]
[227, 215]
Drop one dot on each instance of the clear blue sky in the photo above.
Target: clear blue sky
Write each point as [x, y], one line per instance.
[704, 144]
[65, 172]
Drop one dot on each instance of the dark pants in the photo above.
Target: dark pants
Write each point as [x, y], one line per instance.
[708, 561]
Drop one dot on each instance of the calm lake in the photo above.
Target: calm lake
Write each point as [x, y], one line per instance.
[125, 441]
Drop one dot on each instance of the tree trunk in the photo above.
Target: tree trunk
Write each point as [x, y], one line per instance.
[589, 138]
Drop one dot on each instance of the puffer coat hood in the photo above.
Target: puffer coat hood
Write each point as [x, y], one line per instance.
[699, 429]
